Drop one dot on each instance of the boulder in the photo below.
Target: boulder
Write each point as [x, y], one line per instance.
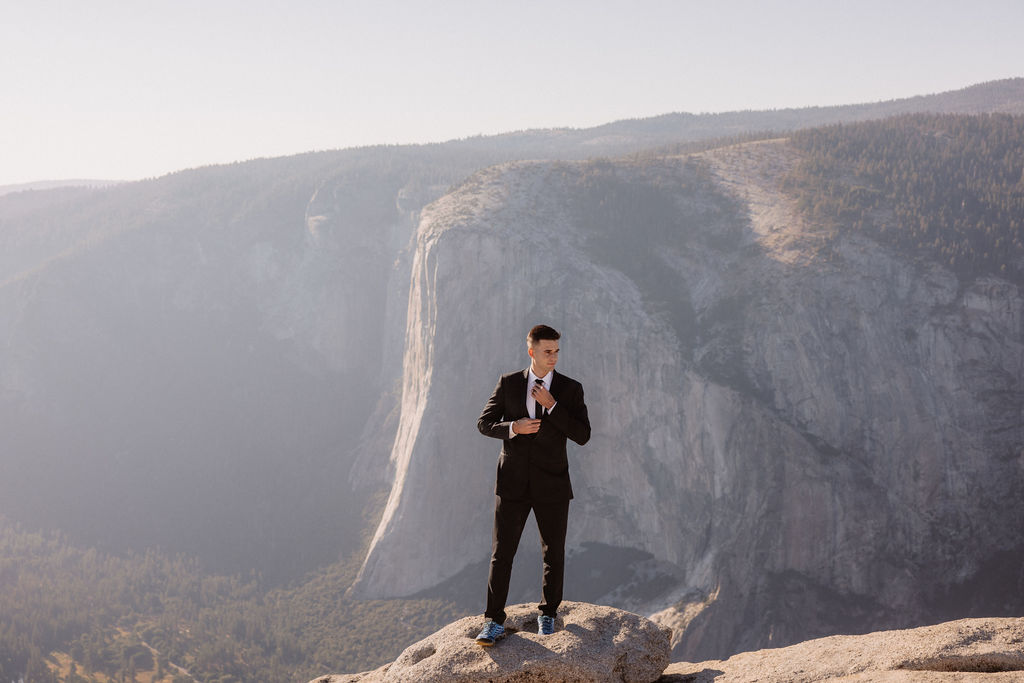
[591, 643]
[968, 650]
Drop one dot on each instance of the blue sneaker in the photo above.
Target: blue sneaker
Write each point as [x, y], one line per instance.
[545, 625]
[492, 631]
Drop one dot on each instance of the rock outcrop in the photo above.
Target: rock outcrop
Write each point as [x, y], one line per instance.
[592, 644]
[968, 650]
[625, 648]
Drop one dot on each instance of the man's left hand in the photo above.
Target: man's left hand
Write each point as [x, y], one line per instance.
[542, 396]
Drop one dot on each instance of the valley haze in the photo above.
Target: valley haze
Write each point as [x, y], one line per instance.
[802, 425]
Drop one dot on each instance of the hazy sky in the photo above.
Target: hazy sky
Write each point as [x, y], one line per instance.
[128, 89]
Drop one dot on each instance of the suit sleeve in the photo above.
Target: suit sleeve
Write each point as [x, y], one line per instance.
[570, 416]
[492, 422]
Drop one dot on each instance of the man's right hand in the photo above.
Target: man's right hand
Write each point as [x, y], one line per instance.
[526, 425]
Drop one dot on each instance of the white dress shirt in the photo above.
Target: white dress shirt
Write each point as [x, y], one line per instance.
[531, 404]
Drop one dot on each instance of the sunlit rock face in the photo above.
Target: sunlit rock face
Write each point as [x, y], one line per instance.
[796, 436]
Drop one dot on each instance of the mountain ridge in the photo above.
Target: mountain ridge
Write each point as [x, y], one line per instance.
[1002, 95]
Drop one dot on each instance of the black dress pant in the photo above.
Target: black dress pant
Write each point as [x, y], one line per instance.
[509, 520]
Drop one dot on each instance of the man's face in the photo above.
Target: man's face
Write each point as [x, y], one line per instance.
[545, 356]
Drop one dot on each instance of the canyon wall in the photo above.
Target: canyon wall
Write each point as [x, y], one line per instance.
[796, 434]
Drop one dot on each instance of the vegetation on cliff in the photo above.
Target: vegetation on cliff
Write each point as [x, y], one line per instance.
[948, 187]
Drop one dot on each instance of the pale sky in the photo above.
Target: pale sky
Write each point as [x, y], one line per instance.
[127, 89]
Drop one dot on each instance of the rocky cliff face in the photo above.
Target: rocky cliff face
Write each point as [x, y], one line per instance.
[794, 438]
[181, 358]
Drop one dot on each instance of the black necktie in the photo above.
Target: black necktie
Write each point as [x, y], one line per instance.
[539, 409]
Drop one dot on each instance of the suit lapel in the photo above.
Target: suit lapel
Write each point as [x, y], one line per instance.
[555, 384]
[521, 400]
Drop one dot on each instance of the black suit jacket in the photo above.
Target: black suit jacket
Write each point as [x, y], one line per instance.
[534, 466]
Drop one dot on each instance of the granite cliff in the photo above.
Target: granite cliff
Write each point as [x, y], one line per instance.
[791, 440]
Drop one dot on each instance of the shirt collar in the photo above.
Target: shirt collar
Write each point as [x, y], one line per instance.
[530, 377]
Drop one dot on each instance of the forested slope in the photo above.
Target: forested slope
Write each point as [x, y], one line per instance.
[948, 188]
[151, 614]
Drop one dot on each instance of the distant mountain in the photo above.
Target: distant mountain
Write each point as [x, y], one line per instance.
[226, 362]
[53, 184]
[627, 136]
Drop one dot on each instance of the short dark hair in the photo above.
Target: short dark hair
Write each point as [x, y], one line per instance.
[540, 332]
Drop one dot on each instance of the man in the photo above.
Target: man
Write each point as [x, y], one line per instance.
[533, 412]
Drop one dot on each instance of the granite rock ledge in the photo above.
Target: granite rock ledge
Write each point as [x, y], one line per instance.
[592, 643]
[989, 650]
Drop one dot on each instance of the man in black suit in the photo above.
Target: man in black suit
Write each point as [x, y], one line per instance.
[533, 412]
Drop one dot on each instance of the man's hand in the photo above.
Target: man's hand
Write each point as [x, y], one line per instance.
[542, 396]
[525, 425]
